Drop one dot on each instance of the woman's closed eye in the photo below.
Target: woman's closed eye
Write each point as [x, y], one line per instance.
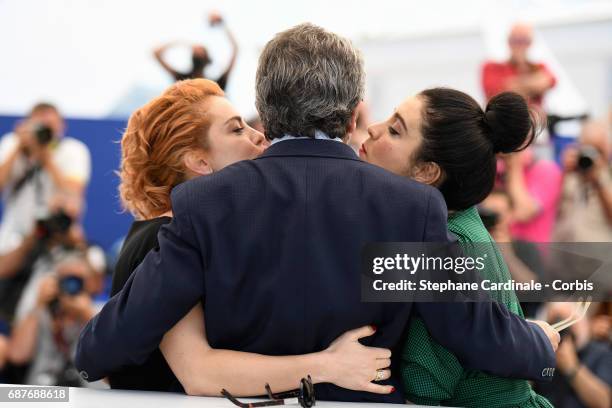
[393, 132]
[238, 126]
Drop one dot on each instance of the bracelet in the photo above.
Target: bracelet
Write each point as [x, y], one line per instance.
[572, 374]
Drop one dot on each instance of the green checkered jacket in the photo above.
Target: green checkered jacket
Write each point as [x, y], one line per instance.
[432, 375]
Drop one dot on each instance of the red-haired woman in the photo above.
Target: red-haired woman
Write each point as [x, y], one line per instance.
[192, 130]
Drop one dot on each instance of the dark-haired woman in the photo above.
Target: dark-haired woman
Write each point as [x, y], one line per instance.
[442, 137]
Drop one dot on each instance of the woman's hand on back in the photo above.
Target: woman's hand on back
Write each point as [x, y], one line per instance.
[351, 365]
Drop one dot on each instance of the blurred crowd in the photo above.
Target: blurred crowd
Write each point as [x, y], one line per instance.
[52, 280]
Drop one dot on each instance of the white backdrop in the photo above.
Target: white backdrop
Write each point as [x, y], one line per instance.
[93, 57]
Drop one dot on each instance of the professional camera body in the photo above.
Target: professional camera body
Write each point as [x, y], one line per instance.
[44, 134]
[57, 224]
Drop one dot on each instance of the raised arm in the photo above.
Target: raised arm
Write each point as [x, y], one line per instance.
[485, 335]
[216, 19]
[234, 44]
[203, 370]
[158, 53]
[166, 285]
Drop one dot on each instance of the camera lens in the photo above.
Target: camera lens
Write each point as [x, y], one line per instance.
[585, 162]
[586, 157]
[44, 134]
[71, 285]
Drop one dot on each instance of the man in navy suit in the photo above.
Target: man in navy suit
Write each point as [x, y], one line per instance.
[271, 247]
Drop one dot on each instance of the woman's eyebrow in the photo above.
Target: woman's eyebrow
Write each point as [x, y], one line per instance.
[238, 118]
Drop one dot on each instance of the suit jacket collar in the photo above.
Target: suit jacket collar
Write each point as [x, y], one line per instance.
[310, 147]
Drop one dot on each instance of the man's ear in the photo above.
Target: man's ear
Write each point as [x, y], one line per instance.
[197, 163]
[352, 125]
[428, 173]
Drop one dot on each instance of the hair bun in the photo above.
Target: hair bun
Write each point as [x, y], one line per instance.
[511, 125]
[489, 118]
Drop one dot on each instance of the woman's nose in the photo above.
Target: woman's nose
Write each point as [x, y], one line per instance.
[373, 131]
[258, 138]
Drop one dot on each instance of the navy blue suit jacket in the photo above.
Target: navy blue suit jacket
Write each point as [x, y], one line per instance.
[272, 249]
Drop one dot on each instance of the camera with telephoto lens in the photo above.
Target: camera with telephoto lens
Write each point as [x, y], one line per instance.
[70, 285]
[57, 224]
[587, 155]
[43, 134]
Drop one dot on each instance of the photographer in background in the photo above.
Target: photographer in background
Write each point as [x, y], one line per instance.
[36, 162]
[584, 366]
[518, 74]
[586, 200]
[49, 240]
[200, 59]
[49, 319]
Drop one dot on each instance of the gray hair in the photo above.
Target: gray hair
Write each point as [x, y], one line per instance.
[69, 259]
[308, 79]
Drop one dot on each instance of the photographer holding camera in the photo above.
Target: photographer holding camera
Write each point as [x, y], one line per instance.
[584, 365]
[586, 202]
[36, 162]
[49, 240]
[49, 319]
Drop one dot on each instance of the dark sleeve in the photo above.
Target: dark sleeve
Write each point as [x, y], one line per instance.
[166, 285]
[484, 336]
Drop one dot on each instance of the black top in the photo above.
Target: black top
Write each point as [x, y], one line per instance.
[221, 81]
[154, 374]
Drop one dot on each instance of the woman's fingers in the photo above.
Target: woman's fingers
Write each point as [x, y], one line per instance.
[379, 389]
[355, 366]
[383, 375]
[381, 352]
[383, 363]
[364, 331]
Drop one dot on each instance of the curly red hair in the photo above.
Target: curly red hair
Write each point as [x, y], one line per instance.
[156, 139]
